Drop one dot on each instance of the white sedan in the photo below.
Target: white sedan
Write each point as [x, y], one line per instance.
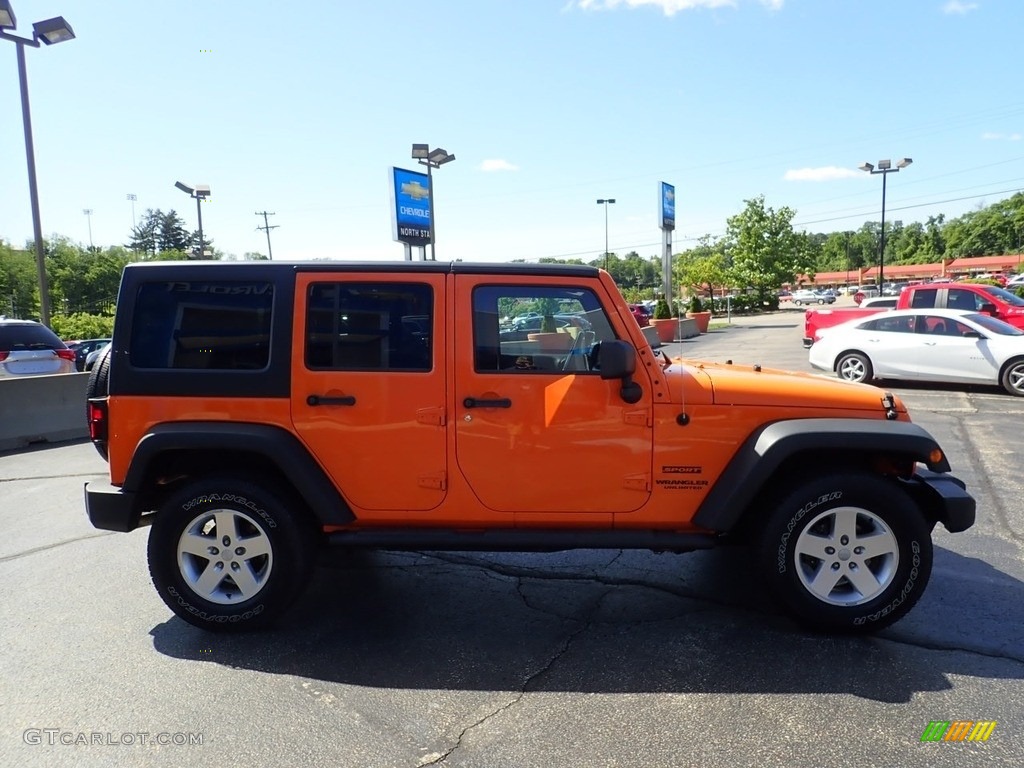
[924, 345]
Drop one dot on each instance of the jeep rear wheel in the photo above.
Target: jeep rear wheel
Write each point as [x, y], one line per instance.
[226, 554]
[850, 552]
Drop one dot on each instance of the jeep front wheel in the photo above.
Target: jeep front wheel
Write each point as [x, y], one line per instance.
[849, 552]
[226, 554]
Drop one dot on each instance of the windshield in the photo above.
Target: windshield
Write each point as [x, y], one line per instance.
[1003, 295]
[994, 325]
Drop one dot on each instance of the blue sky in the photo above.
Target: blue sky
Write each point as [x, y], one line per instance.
[548, 105]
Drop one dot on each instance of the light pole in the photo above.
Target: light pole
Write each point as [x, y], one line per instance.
[132, 198]
[432, 158]
[884, 168]
[50, 31]
[200, 192]
[606, 202]
[88, 216]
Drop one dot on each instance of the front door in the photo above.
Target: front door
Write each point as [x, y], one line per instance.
[537, 428]
[368, 394]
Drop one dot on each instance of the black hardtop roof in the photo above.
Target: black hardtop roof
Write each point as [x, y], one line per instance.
[267, 268]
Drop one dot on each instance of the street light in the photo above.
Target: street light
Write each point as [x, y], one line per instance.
[132, 198]
[88, 216]
[884, 168]
[606, 202]
[432, 158]
[50, 31]
[200, 192]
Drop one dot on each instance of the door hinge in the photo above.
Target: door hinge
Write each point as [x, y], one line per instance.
[432, 416]
[435, 480]
[638, 418]
[637, 482]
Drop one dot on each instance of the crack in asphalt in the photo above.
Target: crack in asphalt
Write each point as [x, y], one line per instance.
[998, 507]
[45, 547]
[50, 477]
[519, 573]
[585, 624]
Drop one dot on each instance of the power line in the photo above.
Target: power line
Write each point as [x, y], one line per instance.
[266, 227]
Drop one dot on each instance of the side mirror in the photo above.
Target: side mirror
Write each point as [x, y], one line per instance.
[988, 308]
[617, 360]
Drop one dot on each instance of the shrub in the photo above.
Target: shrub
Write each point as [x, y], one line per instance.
[82, 326]
[695, 304]
[662, 311]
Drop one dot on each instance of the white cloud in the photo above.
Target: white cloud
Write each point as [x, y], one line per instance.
[668, 7]
[956, 6]
[498, 165]
[828, 173]
[989, 136]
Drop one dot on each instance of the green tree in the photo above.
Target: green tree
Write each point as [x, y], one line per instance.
[702, 268]
[765, 250]
[19, 295]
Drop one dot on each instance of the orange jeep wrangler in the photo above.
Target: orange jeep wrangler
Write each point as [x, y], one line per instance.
[254, 412]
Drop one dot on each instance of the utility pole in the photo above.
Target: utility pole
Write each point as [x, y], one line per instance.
[266, 227]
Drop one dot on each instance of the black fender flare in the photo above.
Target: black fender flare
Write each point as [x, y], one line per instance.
[273, 443]
[761, 455]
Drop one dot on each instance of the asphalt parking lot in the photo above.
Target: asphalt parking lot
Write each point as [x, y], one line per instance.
[555, 660]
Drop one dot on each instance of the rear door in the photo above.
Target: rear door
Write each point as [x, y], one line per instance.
[536, 428]
[368, 390]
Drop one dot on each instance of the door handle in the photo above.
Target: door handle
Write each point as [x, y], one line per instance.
[500, 402]
[322, 400]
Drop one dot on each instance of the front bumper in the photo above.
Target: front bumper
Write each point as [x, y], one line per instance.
[948, 498]
[110, 508]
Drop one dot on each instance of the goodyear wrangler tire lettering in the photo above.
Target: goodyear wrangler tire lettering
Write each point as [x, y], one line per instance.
[848, 552]
[228, 554]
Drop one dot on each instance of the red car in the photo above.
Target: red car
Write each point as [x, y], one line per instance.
[641, 314]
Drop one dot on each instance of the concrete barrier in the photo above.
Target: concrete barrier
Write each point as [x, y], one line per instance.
[687, 329]
[36, 409]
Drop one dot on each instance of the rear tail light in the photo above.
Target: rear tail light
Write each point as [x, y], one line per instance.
[3, 356]
[97, 414]
[66, 354]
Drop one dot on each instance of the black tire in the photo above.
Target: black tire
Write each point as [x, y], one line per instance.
[854, 366]
[99, 376]
[199, 562]
[831, 583]
[1012, 377]
[98, 385]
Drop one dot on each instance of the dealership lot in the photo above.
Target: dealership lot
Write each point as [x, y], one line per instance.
[565, 659]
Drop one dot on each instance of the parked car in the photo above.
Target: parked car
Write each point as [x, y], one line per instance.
[533, 323]
[813, 297]
[92, 357]
[83, 348]
[887, 302]
[640, 314]
[970, 297]
[28, 348]
[924, 345]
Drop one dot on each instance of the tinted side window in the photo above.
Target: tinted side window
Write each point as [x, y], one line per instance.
[369, 326]
[923, 299]
[958, 298]
[889, 324]
[202, 325]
